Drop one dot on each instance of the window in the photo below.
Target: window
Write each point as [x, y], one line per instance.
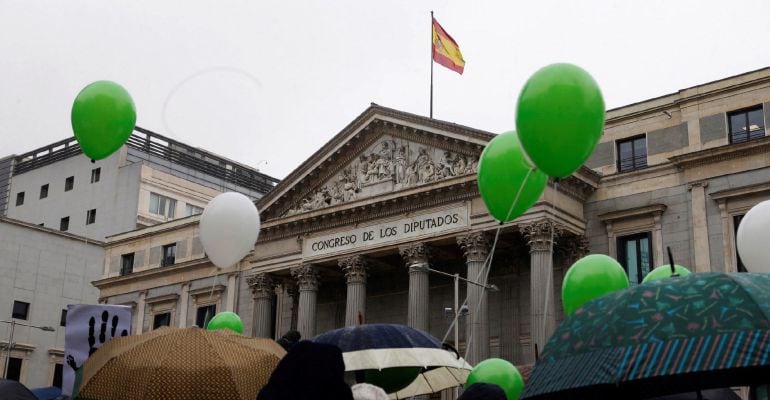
[19, 198]
[64, 224]
[169, 255]
[90, 216]
[69, 183]
[44, 191]
[14, 369]
[126, 264]
[635, 254]
[204, 315]
[95, 175]
[737, 221]
[58, 369]
[192, 210]
[162, 205]
[161, 320]
[746, 124]
[63, 319]
[20, 309]
[632, 153]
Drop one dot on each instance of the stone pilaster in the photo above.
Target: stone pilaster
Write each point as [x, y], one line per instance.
[700, 232]
[476, 248]
[308, 281]
[540, 236]
[355, 274]
[140, 308]
[262, 288]
[416, 259]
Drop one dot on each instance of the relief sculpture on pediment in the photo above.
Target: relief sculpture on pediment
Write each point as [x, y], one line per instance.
[388, 165]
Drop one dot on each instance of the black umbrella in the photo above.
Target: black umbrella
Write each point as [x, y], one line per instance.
[13, 390]
[702, 331]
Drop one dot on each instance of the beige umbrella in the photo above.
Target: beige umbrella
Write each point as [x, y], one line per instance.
[435, 380]
[174, 363]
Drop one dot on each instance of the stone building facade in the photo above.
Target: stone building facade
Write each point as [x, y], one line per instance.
[374, 225]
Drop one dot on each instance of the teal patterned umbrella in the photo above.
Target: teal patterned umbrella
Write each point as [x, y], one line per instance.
[700, 331]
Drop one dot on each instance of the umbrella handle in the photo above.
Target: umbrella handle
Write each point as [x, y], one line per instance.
[447, 346]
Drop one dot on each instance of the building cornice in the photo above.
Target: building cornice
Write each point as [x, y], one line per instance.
[206, 290]
[740, 192]
[160, 299]
[722, 153]
[153, 273]
[153, 230]
[42, 229]
[651, 210]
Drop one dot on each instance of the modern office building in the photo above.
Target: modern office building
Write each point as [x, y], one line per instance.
[359, 230]
[41, 271]
[59, 206]
[151, 179]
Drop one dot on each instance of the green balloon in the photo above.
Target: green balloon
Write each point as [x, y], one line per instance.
[498, 372]
[391, 380]
[503, 172]
[560, 118]
[103, 117]
[664, 271]
[226, 320]
[589, 278]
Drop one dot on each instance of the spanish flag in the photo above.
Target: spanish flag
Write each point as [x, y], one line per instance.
[445, 50]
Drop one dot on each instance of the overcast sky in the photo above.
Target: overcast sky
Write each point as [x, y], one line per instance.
[267, 83]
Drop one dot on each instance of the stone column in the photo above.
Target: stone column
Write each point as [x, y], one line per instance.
[308, 281]
[263, 288]
[184, 301]
[416, 258]
[539, 237]
[355, 274]
[293, 291]
[476, 248]
[700, 233]
[231, 288]
[140, 306]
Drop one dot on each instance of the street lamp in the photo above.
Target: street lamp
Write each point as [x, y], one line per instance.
[10, 340]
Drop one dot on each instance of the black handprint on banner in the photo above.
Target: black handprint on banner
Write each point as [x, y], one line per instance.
[92, 337]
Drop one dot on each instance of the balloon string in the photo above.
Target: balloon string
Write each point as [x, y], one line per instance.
[485, 270]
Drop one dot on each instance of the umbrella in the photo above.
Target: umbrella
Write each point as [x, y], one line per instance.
[174, 363]
[705, 330]
[381, 347]
[13, 390]
[48, 393]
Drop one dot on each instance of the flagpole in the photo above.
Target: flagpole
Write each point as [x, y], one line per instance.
[431, 64]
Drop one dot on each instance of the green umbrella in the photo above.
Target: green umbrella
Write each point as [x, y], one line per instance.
[704, 330]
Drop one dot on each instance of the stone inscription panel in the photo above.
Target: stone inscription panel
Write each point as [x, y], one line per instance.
[428, 224]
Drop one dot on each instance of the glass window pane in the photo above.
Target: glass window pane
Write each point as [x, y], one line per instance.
[632, 267]
[640, 146]
[154, 200]
[645, 256]
[171, 208]
[738, 123]
[756, 120]
[625, 149]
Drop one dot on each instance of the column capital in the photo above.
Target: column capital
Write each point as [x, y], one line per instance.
[291, 289]
[307, 276]
[262, 285]
[413, 254]
[354, 268]
[475, 246]
[573, 246]
[701, 184]
[539, 234]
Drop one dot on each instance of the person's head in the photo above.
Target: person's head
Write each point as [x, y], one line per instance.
[366, 391]
[309, 371]
[483, 391]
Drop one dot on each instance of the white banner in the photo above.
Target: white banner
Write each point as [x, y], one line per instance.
[387, 232]
[88, 328]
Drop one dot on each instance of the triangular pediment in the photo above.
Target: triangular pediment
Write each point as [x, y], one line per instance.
[381, 152]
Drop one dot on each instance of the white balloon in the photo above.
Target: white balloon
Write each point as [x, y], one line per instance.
[752, 238]
[229, 228]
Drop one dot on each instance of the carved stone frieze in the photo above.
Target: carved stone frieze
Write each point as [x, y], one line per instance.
[475, 246]
[390, 164]
[307, 277]
[262, 285]
[539, 234]
[354, 268]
